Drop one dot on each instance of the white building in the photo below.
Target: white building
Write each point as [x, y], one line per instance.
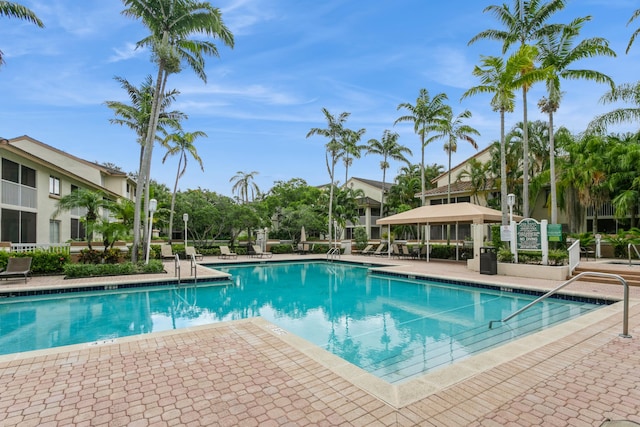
[34, 177]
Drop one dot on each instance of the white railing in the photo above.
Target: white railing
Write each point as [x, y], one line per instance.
[63, 248]
[574, 256]
[19, 195]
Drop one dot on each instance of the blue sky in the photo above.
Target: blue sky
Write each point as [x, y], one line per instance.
[291, 59]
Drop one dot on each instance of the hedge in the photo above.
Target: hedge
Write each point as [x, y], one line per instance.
[72, 271]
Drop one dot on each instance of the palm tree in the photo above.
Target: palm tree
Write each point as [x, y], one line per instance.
[452, 129]
[244, 185]
[171, 23]
[636, 32]
[15, 10]
[424, 115]
[478, 174]
[136, 115]
[389, 148]
[182, 144]
[501, 78]
[557, 51]
[526, 23]
[626, 92]
[335, 132]
[351, 149]
[91, 201]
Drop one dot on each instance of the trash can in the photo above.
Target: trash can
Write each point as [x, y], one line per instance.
[488, 260]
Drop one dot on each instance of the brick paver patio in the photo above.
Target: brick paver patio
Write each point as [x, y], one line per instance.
[244, 373]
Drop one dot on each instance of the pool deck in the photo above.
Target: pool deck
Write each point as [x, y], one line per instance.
[251, 373]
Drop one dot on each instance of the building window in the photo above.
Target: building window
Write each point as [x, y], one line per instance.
[54, 185]
[77, 229]
[54, 231]
[18, 226]
[10, 171]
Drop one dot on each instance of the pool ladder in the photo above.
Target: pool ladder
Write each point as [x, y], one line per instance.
[194, 267]
[625, 314]
[333, 253]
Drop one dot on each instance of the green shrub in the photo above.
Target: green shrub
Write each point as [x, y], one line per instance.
[529, 257]
[505, 255]
[495, 237]
[360, 236]
[43, 262]
[558, 257]
[443, 252]
[281, 249]
[92, 270]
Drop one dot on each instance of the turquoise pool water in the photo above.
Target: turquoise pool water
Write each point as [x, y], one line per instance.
[392, 327]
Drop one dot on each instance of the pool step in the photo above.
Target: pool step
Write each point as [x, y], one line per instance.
[629, 273]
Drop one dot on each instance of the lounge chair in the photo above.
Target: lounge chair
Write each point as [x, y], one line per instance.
[166, 252]
[380, 249]
[367, 251]
[406, 253]
[259, 253]
[190, 250]
[395, 251]
[586, 252]
[225, 252]
[17, 267]
[302, 249]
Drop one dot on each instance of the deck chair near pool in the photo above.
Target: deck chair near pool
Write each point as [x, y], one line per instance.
[259, 253]
[406, 253]
[395, 250]
[225, 252]
[190, 250]
[17, 267]
[380, 249]
[367, 251]
[166, 252]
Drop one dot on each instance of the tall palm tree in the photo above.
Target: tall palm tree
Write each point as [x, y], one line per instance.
[15, 10]
[244, 185]
[452, 129]
[478, 174]
[171, 23]
[424, 115]
[501, 78]
[626, 92]
[335, 132]
[351, 149]
[181, 143]
[525, 23]
[558, 51]
[636, 32]
[136, 115]
[389, 148]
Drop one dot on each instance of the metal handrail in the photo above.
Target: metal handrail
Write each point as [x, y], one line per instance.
[333, 252]
[625, 314]
[629, 246]
[176, 266]
[194, 267]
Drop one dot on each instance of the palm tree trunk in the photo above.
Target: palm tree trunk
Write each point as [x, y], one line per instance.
[422, 171]
[173, 198]
[525, 156]
[449, 195]
[552, 172]
[503, 171]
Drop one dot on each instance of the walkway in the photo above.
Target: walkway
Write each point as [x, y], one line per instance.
[249, 373]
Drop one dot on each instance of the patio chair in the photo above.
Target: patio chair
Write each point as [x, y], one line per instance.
[17, 267]
[166, 252]
[380, 249]
[225, 252]
[367, 251]
[258, 252]
[395, 251]
[406, 253]
[586, 252]
[190, 250]
[302, 249]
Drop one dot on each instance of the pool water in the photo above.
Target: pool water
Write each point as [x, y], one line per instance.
[393, 328]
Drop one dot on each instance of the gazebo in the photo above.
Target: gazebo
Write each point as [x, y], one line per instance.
[454, 213]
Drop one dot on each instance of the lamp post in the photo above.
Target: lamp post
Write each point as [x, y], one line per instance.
[153, 205]
[185, 218]
[511, 200]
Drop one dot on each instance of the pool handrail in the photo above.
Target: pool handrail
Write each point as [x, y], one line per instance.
[629, 246]
[194, 267]
[625, 315]
[333, 252]
[176, 266]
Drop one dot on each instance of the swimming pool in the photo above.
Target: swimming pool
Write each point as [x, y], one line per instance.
[392, 327]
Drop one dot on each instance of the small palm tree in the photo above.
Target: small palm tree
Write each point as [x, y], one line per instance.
[389, 148]
[636, 32]
[92, 201]
[15, 10]
[244, 185]
[626, 92]
[425, 114]
[181, 143]
[351, 149]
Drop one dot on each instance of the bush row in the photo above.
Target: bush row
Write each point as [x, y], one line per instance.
[90, 270]
[43, 262]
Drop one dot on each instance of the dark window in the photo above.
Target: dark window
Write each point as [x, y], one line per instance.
[10, 171]
[18, 226]
[77, 229]
[375, 211]
[28, 177]
[464, 199]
